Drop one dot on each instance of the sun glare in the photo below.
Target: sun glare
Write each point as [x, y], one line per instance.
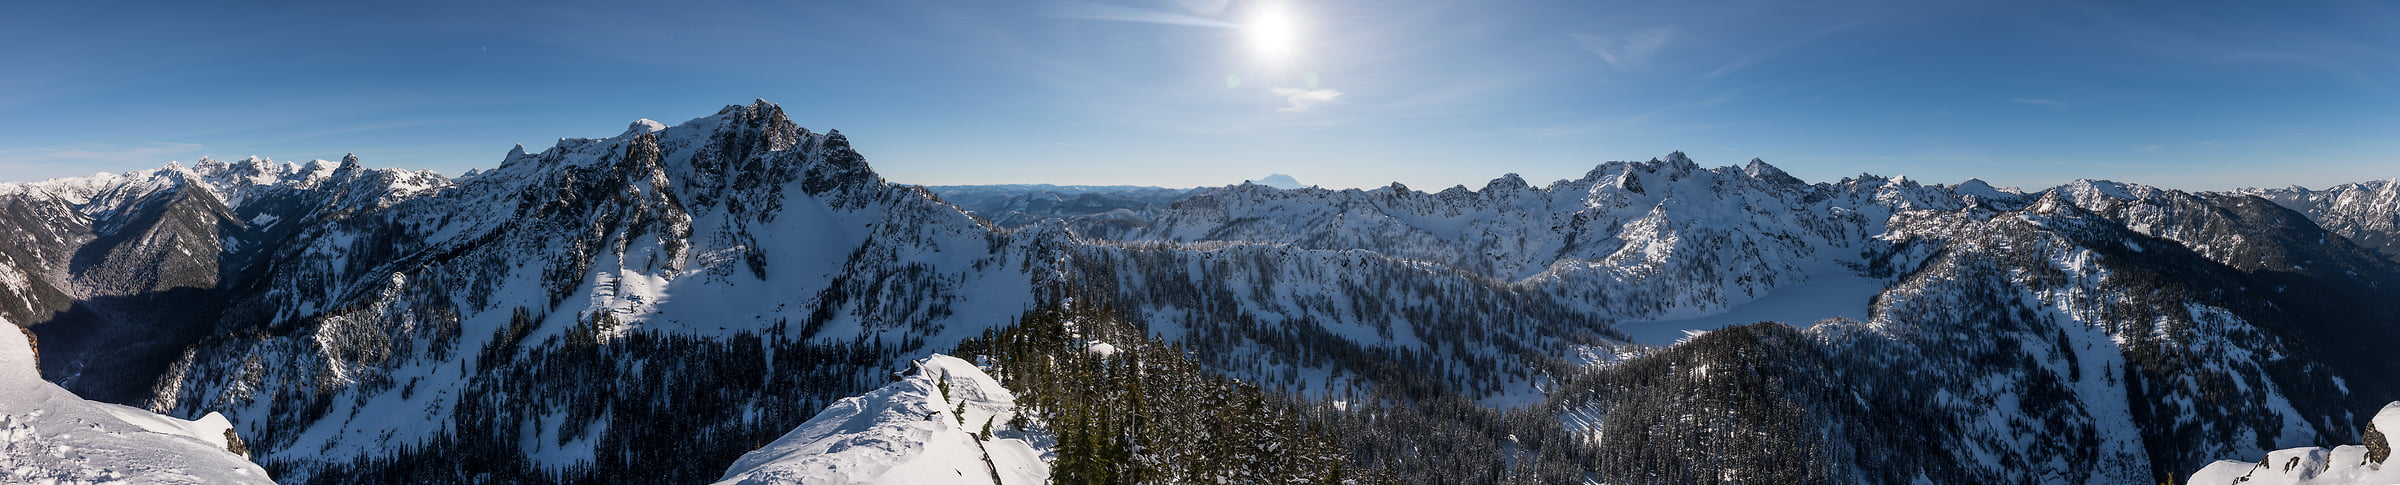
[1273, 33]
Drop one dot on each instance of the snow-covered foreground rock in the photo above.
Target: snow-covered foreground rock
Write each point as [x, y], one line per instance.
[52, 436]
[925, 429]
[2341, 465]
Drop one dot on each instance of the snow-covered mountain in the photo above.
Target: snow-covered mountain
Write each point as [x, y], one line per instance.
[2365, 212]
[1651, 234]
[737, 256]
[48, 435]
[654, 305]
[127, 269]
[2131, 314]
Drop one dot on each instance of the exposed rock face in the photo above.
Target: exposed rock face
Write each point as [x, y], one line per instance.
[234, 444]
[2379, 448]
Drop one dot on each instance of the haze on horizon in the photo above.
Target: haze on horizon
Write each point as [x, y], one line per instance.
[1210, 92]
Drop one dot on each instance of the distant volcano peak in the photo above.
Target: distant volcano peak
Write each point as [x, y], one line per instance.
[1279, 181]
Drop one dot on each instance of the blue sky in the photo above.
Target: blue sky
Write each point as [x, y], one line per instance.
[2196, 95]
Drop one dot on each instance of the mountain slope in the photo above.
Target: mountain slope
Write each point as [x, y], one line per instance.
[1014, 206]
[2365, 212]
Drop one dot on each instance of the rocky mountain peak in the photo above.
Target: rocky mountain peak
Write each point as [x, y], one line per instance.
[1678, 158]
[1759, 169]
[641, 127]
[1509, 181]
[2054, 202]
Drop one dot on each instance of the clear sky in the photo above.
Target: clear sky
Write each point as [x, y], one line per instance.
[2196, 95]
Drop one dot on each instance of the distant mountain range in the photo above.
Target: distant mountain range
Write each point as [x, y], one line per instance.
[675, 303]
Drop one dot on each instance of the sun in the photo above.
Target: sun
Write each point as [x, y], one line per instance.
[1274, 35]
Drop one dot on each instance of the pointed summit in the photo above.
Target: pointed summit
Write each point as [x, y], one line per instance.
[2054, 202]
[1759, 169]
[642, 127]
[1509, 181]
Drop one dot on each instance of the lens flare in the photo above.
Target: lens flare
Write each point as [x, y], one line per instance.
[1274, 34]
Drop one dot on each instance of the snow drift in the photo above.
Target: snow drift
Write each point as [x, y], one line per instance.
[2340, 465]
[52, 436]
[928, 428]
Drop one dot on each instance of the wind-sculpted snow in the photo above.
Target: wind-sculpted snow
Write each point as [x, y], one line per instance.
[2361, 464]
[48, 435]
[928, 428]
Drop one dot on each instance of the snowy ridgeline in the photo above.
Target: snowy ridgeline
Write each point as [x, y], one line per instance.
[946, 423]
[48, 435]
[2363, 464]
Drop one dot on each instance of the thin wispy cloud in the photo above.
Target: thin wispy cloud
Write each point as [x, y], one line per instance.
[1299, 100]
[1632, 50]
[2038, 101]
[48, 162]
[1762, 56]
[2302, 48]
[148, 152]
[1115, 13]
